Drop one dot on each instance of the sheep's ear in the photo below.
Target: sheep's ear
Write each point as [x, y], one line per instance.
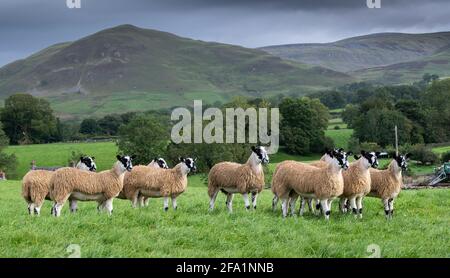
[330, 152]
[181, 159]
[118, 157]
[356, 157]
[253, 149]
[349, 153]
[133, 156]
[93, 158]
[408, 155]
[155, 159]
[81, 158]
[363, 153]
[377, 154]
[340, 150]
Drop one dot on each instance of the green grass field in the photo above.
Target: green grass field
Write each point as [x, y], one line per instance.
[58, 154]
[419, 229]
[339, 136]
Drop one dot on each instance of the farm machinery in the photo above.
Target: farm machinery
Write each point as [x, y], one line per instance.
[441, 174]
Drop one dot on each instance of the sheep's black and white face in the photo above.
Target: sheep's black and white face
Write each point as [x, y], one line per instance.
[261, 153]
[89, 163]
[371, 157]
[340, 157]
[190, 163]
[162, 163]
[402, 161]
[126, 162]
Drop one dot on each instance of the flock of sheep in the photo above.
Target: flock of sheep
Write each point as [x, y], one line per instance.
[322, 181]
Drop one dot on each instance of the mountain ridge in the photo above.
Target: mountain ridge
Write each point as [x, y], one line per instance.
[363, 52]
[129, 66]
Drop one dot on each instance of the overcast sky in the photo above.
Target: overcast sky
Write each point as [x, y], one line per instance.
[27, 26]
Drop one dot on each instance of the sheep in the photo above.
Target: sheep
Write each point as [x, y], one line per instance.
[320, 163]
[386, 184]
[155, 163]
[156, 182]
[88, 186]
[357, 182]
[309, 181]
[230, 178]
[36, 184]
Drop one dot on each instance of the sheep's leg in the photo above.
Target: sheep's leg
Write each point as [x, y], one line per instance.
[310, 205]
[391, 207]
[166, 203]
[284, 206]
[292, 203]
[386, 208]
[330, 202]
[141, 201]
[146, 201]
[31, 208]
[212, 200]
[318, 207]
[73, 206]
[246, 201]
[342, 205]
[353, 206]
[134, 199]
[57, 209]
[325, 208]
[302, 206]
[359, 206]
[108, 204]
[174, 203]
[229, 202]
[274, 202]
[254, 199]
[37, 209]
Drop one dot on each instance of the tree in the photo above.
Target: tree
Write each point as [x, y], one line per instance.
[8, 162]
[109, 125]
[303, 125]
[89, 126]
[350, 114]
[145, 136]
[436, 100]
[27, 119]
[377, 125]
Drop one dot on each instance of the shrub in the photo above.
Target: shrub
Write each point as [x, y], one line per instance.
[421, 153]
[336, 127]
[445, 157]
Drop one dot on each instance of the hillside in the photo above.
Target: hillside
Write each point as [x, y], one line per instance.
[127, 68]
[438, 63]
[369, 51]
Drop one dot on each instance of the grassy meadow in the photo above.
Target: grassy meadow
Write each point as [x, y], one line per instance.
[419, 228]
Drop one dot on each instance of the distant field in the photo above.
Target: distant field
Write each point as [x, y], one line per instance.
[419, 229]
[441, 150]
[58, 154]
[340, 136]
[105, 152]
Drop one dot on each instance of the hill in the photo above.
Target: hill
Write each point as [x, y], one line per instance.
[127, 68]
[438, 63]
[375, 50]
